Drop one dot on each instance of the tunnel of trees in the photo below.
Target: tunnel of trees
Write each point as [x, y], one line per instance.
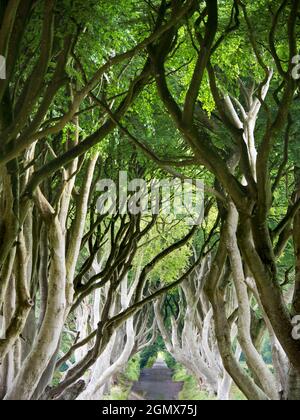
[161, 89]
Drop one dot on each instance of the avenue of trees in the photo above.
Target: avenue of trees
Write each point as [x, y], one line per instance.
[161, 89]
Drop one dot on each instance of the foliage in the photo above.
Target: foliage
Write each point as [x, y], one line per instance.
[69, 96]
[190, 390]
[133, 370]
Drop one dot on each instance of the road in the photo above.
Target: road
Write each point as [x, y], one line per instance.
[156, 384]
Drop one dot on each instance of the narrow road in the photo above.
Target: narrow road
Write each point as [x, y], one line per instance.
[156, 384]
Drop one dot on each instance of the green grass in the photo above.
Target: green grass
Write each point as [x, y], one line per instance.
[191, 390]
[151, 361]
[131, 374]
[121, 391]
[118, 393]
[133, 369]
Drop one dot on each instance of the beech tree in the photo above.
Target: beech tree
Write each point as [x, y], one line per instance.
[47, 180]
[245, 176]
[194, 344]
[180, 89]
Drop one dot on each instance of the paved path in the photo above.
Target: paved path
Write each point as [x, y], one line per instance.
[156, 384]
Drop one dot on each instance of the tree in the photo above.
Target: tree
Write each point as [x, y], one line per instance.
[179, 89]
[245, 179]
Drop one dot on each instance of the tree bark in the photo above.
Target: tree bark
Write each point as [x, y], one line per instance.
[48, 337]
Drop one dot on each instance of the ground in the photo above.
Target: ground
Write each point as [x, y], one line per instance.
[156, 384]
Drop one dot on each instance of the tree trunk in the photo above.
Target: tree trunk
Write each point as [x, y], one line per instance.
[293, 393]
[48, 338]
